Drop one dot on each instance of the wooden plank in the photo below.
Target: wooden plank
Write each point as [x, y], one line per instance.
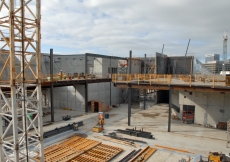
[143, 155]
[173, 149]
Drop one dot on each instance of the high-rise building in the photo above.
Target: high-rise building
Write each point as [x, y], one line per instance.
[212, 58]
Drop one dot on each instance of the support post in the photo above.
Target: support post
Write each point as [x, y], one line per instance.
[40, 122]
[15, 123]
[1, 131]
[145, 77]
[110, 87]
[86, 97]
[129, 93]
[170, 109]
[86, 84]
[51, 86]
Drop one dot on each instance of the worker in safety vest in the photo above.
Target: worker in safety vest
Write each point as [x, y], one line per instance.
[101, 122]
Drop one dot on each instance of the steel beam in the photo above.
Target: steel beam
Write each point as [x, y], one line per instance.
[142, 86]
[104, 56]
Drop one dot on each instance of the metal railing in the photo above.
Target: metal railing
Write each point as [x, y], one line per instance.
[177, 79]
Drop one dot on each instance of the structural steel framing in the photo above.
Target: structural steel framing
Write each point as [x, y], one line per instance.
[20, 33]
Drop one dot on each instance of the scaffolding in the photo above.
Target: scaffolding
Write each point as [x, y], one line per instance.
[20, 81]
[199, 68]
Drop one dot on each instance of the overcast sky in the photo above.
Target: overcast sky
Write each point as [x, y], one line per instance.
[114, 27]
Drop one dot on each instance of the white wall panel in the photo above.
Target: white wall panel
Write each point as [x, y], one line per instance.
[207, 106]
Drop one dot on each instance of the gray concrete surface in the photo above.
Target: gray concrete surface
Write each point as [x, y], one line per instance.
[196, 139]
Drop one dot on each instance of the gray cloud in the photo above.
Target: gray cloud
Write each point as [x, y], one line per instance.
[114, 27]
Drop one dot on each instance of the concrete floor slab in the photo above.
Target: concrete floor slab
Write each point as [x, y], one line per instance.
[191, 137]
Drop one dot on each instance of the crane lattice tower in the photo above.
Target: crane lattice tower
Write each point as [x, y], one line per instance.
[20, 81]
[225, 47]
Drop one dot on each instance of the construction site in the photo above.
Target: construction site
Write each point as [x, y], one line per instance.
[98, 108]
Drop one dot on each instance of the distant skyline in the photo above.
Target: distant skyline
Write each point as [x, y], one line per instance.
[115, 27]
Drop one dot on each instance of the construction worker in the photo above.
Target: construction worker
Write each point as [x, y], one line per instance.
[101, 122]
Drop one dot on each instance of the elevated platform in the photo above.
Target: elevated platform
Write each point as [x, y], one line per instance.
[215, 83]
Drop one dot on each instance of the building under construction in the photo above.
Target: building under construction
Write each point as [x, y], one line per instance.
[53, 107]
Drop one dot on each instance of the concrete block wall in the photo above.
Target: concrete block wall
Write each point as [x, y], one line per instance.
[74, 96]
[180, 65]
[66, 63]
[69, 97]
[136, 66]
[101, 91]
[210, 107]
[161, 63]
[101, 66]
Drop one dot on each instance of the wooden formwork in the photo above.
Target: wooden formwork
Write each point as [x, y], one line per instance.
[80, 149]
[101, 153]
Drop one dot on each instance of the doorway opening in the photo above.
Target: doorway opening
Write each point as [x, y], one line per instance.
[188, 114]
[96, 107]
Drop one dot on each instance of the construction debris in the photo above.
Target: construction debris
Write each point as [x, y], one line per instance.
[117, 141]
[66, 108]
[115, 136]
[65, 118]
[130, 155]
[137, 133]
[143, 155]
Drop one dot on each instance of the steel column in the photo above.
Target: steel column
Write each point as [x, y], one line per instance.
[51, 86]
[39, 90]
[86, 84]
[12, 82]
[1, 131]
[86, 97]
[40, 123]
[145, 89]
[170, 109]
[129, 91]
[110, 87]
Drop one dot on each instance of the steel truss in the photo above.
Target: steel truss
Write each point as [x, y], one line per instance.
[21, 133]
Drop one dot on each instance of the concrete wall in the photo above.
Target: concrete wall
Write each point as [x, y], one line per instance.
[74, 96]
[180, 65]
[208, 106]
[161, 63]
[136, 66]
[69, 97]
[66, 63]
[101, 66]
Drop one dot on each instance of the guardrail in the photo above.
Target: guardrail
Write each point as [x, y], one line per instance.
[212, 80]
